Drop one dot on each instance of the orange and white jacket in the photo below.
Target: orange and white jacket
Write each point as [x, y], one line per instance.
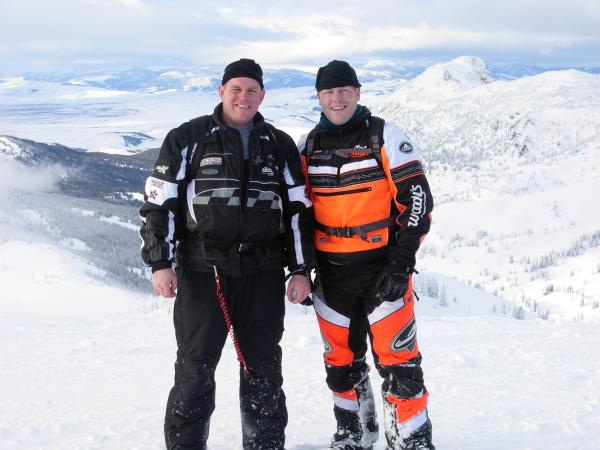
[350, 188]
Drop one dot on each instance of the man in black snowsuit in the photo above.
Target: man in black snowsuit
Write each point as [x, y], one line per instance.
[226, 206]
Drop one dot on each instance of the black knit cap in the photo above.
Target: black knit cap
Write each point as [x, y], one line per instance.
[336, 74]
[243, 68]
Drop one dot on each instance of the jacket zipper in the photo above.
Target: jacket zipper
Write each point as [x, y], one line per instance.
[351, 191]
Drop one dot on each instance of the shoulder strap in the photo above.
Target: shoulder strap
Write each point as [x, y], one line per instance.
[199, 137]
[309, 145]
[376, 135]
[279, 149]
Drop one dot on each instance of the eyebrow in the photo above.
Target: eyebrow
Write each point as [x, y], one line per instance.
[251, 88]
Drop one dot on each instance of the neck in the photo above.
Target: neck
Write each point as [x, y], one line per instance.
[229, 123]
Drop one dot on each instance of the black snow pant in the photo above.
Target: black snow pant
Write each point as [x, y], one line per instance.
[256, 305]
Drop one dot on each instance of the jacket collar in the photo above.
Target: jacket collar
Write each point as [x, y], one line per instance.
[357, 121]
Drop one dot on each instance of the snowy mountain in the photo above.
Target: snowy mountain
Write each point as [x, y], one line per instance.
[514, 170]
[208, 78]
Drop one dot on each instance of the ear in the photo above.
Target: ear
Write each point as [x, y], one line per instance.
[357, 94]
[221, 91]
[262, 95]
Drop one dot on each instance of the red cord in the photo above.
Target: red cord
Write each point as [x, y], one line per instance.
[223, 305]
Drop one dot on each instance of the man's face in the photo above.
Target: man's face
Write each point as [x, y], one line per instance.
[241, 98]
[338, 104]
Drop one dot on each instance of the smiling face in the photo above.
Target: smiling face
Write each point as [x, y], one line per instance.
[241, 98]
[339, 103]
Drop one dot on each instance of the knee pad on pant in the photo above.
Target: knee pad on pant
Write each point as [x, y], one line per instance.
[344, 378]
[403, 381]
[194, 390]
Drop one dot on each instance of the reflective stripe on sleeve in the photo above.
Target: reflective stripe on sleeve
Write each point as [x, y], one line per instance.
[183, 164]
[169, 238]
[297, 240]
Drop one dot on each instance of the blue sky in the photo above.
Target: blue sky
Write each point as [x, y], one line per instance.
[71, 35]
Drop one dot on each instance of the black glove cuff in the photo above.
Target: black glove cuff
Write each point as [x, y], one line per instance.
[161, 265]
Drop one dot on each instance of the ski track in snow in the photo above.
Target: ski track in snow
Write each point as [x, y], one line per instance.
[95, 373]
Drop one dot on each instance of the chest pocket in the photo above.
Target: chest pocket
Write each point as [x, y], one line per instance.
[264, 204]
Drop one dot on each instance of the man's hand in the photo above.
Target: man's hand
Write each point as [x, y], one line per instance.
[298, 289]
[392, 284]
[164, 282]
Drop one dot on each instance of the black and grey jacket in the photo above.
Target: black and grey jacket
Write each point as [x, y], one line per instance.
[241, 219]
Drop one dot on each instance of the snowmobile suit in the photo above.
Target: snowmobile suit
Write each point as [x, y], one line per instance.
[228, 204]
[206, 207]
[372, 205]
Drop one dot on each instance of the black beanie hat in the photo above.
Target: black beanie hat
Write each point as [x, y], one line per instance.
[243, 68]
[336, 74]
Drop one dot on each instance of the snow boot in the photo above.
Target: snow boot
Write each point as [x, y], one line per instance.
[412, 434]
[419, 440]
[357, 427]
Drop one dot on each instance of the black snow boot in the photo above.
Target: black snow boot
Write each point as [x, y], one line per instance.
[349, 434]
[419, 440]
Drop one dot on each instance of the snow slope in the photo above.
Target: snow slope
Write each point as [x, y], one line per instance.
[89, 366]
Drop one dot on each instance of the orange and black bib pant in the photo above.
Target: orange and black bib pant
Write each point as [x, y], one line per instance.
[347, 313]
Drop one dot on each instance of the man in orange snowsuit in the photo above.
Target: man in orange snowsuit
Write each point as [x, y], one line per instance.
[372, 206]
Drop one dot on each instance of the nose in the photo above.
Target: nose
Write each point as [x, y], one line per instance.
[243, 94]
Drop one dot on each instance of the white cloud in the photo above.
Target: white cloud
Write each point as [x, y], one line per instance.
[67, 33]
[15, 177]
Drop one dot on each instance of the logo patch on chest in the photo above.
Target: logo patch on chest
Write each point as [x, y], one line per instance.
[211, 161]
[267, 171]
[320, 155]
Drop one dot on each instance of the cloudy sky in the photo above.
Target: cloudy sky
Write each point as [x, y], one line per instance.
[65, 35]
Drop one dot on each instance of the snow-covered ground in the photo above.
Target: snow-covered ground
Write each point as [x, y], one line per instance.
[89, 366]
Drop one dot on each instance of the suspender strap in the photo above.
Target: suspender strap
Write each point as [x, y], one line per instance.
[310, 143]
[359, 230]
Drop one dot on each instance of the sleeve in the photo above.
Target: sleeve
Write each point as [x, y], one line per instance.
[298, 211]
[411, 193]
[165, 188]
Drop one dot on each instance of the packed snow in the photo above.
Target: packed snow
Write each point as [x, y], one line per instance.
[89, 366]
